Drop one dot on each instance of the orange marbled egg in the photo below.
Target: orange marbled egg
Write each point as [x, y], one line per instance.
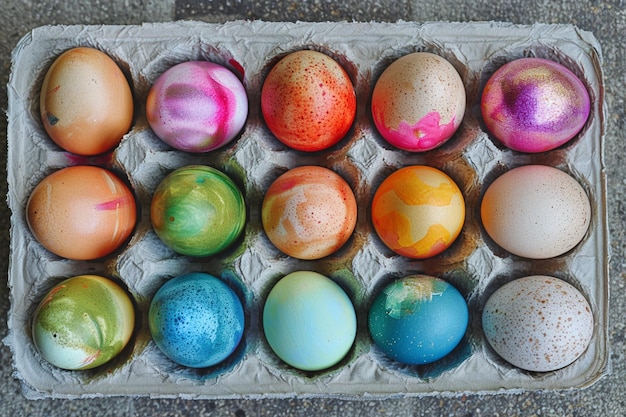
[418, 211]
[309, 212]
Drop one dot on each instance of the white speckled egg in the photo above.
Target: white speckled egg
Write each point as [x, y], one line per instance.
[538, 323]
[536, 211]
[418, 102]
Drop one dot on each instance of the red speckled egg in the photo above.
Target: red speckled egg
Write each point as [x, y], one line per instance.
[81, 212]
[308, 101]
[309, 212]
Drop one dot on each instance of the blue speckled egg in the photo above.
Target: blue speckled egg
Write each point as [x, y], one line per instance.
[418, 319]
[196, 320]
[309, 321]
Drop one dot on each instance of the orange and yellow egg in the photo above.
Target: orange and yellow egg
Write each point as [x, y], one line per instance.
[418, 211]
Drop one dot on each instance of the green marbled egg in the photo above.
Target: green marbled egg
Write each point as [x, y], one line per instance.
[83, 322]
[198, 211]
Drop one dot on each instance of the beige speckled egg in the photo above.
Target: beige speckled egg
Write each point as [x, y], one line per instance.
[86, 103]
[418, 102]
[538, 323]
[536, 211]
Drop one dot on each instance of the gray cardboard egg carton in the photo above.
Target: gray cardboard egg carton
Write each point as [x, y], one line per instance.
[473, 264]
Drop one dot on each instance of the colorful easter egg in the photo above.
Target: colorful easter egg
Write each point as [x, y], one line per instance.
[534, 104]
[308, 101]
[418, 211]
[309, 212]
[198, 211]
[418, 102]
[418, 319]
[196, 320]
[83, 322]
[197, 106]
[309, 321]
[81, 212]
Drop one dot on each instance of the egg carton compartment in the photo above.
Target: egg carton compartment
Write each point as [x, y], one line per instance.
[473, 264]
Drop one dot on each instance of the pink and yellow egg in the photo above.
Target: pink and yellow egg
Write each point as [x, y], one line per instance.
[534, 105]
[309, 212]
[418, 211]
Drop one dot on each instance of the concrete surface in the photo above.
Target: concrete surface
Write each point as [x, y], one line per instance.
[607, 19]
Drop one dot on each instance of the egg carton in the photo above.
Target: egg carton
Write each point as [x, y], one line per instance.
[474, 264]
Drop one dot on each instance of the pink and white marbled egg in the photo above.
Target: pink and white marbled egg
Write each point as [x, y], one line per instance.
[197, 106]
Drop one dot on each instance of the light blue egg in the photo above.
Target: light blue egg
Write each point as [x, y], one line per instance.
[418, 319]
[309, 321]
[196, 320]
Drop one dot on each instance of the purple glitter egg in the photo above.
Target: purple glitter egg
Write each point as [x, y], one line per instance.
[197, 106]
[534, 105]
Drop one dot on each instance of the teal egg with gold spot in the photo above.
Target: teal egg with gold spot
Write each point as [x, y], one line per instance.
[418, 319]
[83, 322]
[198, 210]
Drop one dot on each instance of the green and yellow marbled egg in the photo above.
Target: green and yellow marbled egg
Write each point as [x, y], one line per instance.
[83, 322]
[198, 210]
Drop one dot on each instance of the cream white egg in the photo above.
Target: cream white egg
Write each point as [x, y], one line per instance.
[536, 211]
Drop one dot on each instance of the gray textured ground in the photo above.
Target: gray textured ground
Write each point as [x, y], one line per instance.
[606, 19]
